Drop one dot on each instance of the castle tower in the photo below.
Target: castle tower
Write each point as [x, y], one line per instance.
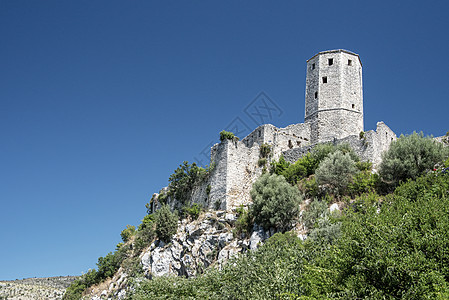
[334, 96]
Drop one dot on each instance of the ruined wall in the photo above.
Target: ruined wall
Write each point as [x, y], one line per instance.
[369, 147]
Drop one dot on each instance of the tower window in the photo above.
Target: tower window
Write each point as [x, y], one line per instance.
[349, 62]
[330, 61]
[325, 79]
[353, 105]
[313, 66]
[316, 95]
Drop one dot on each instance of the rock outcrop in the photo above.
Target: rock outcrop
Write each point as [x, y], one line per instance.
[198, 244]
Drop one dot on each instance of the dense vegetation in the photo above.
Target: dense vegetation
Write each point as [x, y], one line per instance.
[389, 247]
[389, 243]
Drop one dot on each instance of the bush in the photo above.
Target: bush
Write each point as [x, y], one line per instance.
[277, 167]
[244, 223]
[76, 288]
[227, 135]
[147, 222]
[143, 239]
[183, 180]
[309, 187]
[166, 223]
[193, 211]
[275, 202]
[108, 265]
[325, 233]
[262, 162]
[336, 171]
[127, 233]
[315, 210]
[409, 157]
[321, 151]
[363, 182]
[265, 150]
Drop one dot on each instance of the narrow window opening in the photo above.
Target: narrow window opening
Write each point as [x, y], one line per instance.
[349, 62]
[290, 145]
[313, 66]
[259, 133]
[325, 79]
[353, 105]
[316, 95]
[331, 61]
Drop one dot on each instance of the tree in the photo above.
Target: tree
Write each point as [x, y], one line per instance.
[127, 233]
[275, 202]
[336, 171]
[409, 157]
[166, 223]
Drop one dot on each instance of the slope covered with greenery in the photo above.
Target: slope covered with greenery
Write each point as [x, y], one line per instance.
[390, 242]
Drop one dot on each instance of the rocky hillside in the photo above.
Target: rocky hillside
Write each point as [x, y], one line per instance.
[35, 288]
[198, 244]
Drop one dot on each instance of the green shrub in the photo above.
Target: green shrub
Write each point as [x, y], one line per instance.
[265, 150]
[309, 187]
[108, 265]
[325, 232]
[144, 237]
[409, 157]
[183, 180]
[364, 165]
[147, 221]
[76, 288]
[363, 182]
[335, 172]
[243, 224]
[315, 210]
[132, 266]
[127, 233]
[217, 204]
[262, 162]
[193, 211]
[166, 223]
[227, 135]
[295, 172]
[275, 202]
[277, 167]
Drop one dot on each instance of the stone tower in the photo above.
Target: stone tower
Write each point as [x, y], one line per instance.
[334, 96]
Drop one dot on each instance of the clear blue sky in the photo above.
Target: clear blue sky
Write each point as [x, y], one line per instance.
[101, 100]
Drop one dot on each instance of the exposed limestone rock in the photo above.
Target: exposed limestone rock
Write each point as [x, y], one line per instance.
[195, 246]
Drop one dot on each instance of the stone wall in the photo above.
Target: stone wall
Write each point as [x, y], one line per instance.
[369, 147]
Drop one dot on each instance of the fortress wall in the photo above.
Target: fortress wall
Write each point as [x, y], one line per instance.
[242, 171]
[218, 177]
[368, 148]
[292, 136]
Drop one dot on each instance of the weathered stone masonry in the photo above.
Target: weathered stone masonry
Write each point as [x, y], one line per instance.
[333, 113]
